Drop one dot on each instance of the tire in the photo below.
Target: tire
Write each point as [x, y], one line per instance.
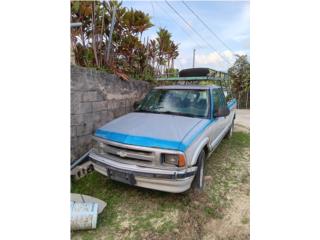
[198, 182]
[230, 132]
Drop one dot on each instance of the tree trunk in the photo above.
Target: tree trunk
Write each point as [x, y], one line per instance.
[82, 38]
[101, 40]
[94, 47]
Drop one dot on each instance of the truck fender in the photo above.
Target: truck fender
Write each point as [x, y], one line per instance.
[201, 145]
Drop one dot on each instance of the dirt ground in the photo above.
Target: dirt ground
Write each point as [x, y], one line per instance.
[220, 212]
[235, 223]
[242, 122]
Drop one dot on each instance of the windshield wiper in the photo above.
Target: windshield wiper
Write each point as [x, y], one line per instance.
[179, 114]
[169, 112]
[146, 111]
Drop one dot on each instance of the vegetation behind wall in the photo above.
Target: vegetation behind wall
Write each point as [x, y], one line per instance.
[131, 55]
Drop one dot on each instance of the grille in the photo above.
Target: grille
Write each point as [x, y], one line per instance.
[128, 154]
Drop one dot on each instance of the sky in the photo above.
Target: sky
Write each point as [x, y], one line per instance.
[229, 20]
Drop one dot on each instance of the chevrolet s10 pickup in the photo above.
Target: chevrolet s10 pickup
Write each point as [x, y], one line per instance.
[164, 143]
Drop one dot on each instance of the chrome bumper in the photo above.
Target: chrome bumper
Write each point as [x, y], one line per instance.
[153, 178]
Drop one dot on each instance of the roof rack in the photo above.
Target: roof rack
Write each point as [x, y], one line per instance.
[201, 74]
[201, 78]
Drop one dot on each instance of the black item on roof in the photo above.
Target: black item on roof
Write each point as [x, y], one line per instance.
[195, 72]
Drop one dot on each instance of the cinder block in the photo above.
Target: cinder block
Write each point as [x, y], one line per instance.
[122, 103]
[77, 79]
[115, 105]
[79, 119]
[83, 108]
[101, 96]
[111, 105]
[97, 117]
[76, 97]
[85, 140]
[90, 80]
[99, 106]
[73, 131]
[107, 116]
[90, 96]
[75, 101]
[74, 142]
[119, 112]
[84, 129]
[76, 119]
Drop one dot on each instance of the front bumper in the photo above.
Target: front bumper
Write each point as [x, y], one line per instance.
[153, 178]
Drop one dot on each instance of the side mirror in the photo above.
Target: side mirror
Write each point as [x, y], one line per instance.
[136, 105]
[222, 112]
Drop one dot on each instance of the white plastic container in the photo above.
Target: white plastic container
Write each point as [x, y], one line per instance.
[83, 215]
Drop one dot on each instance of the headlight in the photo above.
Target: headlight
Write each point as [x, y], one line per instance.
[174, 159]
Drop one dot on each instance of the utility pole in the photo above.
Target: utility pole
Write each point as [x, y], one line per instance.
[110, 34]
[194, 56]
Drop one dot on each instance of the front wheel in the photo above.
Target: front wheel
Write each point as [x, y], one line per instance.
[198, 182]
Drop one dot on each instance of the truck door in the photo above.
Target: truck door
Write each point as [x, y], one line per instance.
[221, 123]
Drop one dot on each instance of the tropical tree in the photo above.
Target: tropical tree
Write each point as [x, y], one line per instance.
[239, 74]
[152, 52]
[172, 54]
[128, 55]
[163, 42]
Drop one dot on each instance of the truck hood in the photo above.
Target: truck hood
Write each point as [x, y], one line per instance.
[153, 130]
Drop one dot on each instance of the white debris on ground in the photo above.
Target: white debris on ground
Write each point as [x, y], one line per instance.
[75, 197]
[84, 211]
[83, 215]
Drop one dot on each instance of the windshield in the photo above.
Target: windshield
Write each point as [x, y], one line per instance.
[185, 102]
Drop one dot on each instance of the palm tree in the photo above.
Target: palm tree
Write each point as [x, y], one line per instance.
[152, 51]
[173, 53]
[143, 22]
[163, 41]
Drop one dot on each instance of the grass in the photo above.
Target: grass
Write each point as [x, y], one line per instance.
[137, 213]
[245, 220]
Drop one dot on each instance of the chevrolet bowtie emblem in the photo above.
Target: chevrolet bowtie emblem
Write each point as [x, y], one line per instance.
[122, 154]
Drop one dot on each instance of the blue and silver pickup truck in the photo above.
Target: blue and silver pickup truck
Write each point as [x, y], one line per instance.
[164, 143]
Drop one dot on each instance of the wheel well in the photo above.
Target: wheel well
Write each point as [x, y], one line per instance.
[206, 150]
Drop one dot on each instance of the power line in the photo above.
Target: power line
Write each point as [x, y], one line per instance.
[198, 34]
[185, 31]
[210, 30]
[152, 8]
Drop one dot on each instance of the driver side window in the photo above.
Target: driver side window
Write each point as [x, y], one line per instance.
[218, 100]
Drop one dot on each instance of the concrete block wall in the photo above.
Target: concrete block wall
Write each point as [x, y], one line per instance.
[96, 98]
